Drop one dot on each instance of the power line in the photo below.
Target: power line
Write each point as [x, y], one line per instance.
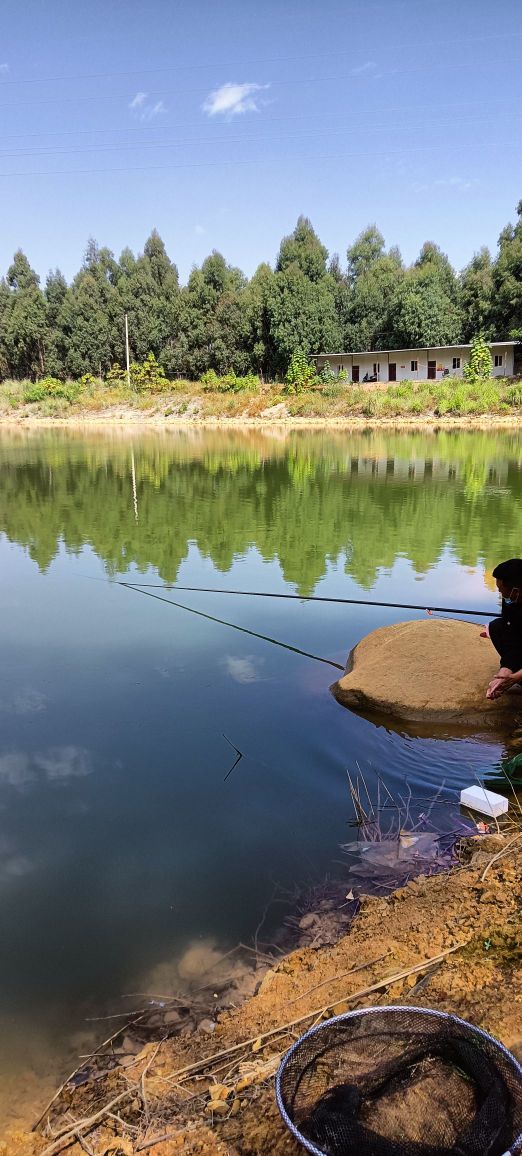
[259, 160]
[253, 62]
[131, 128]
[332, 78]
[46, 151]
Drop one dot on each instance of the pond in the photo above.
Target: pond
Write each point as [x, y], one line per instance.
[122, 840]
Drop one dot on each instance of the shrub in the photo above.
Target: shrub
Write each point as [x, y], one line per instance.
[514, 394]
[51, 387]
[334, 389]
[300, 375]
[327, 374]
[89, 381]
[145, 376]
[229, 382]
[373, 405]
[478, 367]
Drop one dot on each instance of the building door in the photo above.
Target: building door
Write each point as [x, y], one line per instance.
[432, 370]
[392, 371]
[355, 373]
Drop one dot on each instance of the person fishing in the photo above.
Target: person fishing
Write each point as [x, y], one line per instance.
[506, 632]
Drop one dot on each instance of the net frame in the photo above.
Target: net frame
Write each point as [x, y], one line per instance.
[515, 1148]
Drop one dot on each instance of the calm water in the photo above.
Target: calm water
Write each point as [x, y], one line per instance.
[121, 844]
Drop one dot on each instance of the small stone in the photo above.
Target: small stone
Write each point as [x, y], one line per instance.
[217, 1108]
[172, 1017]
[207, 1026]
[219, 1092]
[307, 921]
[132, 1047]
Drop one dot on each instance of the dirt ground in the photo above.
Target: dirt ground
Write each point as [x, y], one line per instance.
[121, 417]
[165, 1109]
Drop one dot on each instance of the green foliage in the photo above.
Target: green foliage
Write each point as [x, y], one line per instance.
[327, 374]
[51, 387]
[220, 321]
[145, 376]
[88, 382]
[479, 365]
[300, 375]
[229, 382]
[334, 389]
[514, 395]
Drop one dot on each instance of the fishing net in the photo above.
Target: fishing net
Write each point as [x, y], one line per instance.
[401, 1081]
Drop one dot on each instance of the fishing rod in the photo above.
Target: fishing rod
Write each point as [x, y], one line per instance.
[138, 589]
[307, 598]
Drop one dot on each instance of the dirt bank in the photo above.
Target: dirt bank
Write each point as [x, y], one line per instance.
[122, 417]
[164, 1090]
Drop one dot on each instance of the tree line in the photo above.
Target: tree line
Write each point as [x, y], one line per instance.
[222, 321]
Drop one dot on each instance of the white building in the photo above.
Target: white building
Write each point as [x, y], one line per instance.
[416, 364]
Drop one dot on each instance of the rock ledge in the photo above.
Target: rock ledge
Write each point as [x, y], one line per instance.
[433, 670]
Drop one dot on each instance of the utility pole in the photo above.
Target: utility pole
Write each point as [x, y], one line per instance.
[127, 350]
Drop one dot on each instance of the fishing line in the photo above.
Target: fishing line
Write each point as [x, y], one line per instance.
[243, 629]
[309, 598]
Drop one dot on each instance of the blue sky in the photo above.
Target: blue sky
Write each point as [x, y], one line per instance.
[219, 121]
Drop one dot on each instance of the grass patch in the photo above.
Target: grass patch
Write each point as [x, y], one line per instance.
[231, 397]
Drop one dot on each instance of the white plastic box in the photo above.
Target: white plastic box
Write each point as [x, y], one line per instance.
[485, 802]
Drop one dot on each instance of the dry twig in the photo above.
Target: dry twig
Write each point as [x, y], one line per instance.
[208, 1061]
[335, 978]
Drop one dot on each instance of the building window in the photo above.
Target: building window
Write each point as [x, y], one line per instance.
[414, 366]
[499, 360]
[456, 362]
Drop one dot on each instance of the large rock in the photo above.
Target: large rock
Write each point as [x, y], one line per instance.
[434, 671]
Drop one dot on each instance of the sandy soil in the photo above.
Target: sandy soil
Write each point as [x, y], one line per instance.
[125, 416]
[474, 909]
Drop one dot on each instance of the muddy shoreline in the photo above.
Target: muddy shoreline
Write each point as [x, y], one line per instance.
[454, 939]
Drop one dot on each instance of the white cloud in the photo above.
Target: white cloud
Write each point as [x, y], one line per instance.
[15, 769]
[150, 111]
[462, 183]
[459, 184]
[144, 109]
[64, 762]
[232, 99]
[18, 769]
[138, 100]
[368, 66]
[244, 670]
[26, 701]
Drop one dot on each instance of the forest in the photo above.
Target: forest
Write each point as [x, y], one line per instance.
[221, 321]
